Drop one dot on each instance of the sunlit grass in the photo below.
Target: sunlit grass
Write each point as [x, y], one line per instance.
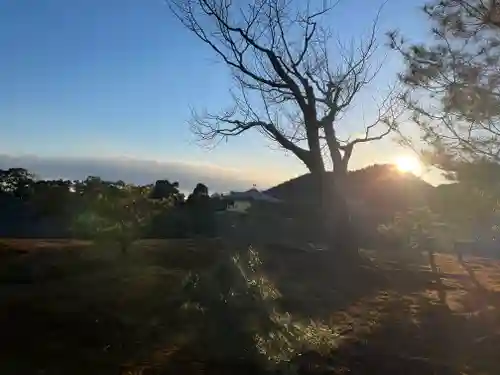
[181, 299]
[290, 336]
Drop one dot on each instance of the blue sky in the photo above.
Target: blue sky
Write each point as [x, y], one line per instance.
[113, 78]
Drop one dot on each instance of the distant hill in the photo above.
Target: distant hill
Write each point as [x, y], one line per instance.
[380, 188]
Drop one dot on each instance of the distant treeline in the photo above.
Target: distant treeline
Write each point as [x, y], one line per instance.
[35, 208]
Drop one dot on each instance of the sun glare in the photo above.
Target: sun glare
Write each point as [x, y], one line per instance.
[408, 164]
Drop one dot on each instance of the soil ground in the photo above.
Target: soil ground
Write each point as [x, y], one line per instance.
[171, 307]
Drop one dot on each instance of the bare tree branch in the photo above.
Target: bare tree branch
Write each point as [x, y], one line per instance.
[291, 86]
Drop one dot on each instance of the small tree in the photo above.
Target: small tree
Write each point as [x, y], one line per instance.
[472, 202]
[16, 181]
[292, 85]
[117, 213]
[413, 228]
[164, 189]
[201, 210]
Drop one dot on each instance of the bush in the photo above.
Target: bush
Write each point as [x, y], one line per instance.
[416, 229]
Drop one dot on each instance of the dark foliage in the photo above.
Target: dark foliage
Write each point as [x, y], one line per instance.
[453, 78]
[164, 189]
[201, 211]
[32, 208]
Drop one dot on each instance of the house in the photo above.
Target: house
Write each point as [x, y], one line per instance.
[241, 202]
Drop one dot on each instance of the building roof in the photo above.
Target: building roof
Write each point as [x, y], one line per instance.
[252, 195]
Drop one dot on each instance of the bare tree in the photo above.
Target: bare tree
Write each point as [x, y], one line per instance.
[290, 84]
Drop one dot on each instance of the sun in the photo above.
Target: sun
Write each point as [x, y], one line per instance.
[408, 164]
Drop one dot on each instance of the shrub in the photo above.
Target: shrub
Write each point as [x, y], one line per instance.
[416, 229]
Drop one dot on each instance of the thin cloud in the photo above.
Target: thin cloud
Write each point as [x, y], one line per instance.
[136, 171]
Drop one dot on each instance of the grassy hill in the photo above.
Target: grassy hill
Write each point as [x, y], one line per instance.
[381, 189]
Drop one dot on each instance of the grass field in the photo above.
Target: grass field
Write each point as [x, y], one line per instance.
[170, 307]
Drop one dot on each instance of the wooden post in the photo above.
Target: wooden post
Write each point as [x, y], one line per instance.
[430, 247]
[458, 251]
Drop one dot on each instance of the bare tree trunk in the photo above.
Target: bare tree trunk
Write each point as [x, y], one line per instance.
[280, 52]
[345, 237]
[333, 212]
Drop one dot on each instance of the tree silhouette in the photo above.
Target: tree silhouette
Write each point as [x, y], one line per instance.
[16, 181]
[164, 189]
[119, 212]
[287, 85]
[201, 210]
[455, 81]
[200, 191]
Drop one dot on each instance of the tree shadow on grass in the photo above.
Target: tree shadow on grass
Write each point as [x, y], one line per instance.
[313, 283]
[242, 322]
[82, 312]
[418, 336]
[412, 337]
[475, 280]
[422, 334]
[405, 329]
[230, 316]
[243, 328]
[238, 326]
[437, 278]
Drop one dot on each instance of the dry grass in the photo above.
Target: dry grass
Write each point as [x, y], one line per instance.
[72, 307]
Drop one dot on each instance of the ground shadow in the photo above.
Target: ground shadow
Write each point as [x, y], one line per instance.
[437, 278]
[490, 298]
[412, 338]
[227, 310]
[392, 327]
[82, 311]
[415, 334]
[314, 282]
[474, 278]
